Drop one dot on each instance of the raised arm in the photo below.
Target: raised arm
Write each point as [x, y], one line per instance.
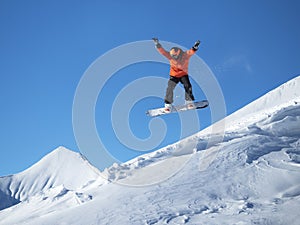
[160, 49]
[194, 48]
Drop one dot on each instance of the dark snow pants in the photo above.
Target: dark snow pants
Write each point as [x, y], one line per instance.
[173, 81]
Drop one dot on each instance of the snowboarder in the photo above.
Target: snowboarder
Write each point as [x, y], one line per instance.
[179, 61]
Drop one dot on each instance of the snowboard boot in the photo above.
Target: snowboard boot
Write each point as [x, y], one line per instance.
[168, 108]
[190, 104]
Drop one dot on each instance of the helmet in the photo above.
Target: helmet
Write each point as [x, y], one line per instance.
[175, 52]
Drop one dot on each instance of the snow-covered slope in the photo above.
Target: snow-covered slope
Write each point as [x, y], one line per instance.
[60, 167]
[283, 96]
[244, 121]
[254, 177]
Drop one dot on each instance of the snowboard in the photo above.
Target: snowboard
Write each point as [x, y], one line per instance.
[177, 108]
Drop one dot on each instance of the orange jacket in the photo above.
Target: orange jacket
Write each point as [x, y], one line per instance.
[178, 67]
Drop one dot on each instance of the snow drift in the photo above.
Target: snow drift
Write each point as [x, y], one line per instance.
[253, 179]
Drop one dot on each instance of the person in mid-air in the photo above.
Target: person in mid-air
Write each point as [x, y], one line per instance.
[179, 61]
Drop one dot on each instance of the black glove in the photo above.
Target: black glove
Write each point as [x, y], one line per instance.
[196, 45]
[155, 40]
[157, 44]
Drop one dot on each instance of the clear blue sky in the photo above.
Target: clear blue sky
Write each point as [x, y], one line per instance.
[46, 46]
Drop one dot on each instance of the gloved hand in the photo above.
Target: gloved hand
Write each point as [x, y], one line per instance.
[157, 44]
[155, 40]
[196, 45]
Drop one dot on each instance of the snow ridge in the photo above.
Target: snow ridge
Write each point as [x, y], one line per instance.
[283, 96]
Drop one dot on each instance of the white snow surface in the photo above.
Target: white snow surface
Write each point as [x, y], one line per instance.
[250, 176]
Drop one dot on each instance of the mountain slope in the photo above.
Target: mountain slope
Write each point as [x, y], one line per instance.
[252, 176]
[271, 108]
[60, 167]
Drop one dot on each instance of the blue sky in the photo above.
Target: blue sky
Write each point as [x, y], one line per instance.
[46, 46]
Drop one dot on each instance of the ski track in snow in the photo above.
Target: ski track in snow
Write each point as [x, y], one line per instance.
[254, 178]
